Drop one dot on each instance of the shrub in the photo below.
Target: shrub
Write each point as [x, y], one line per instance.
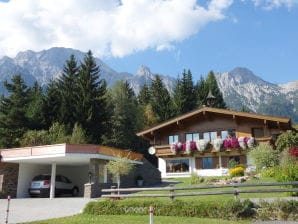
[195, 179]
[238, 171]
[232, 164]
[269, 172]
[264, 156]
[278, 210]
[286, 140]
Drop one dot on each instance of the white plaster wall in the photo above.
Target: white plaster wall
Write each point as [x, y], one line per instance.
[212, 172]
[162, 167]
[77, 174]
[26, 173]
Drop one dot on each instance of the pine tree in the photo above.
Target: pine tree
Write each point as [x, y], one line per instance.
[202, 90]
[13, 119]
[90, 108]
[184, 97]
[78, 135]
[68, 90]
[161, 101]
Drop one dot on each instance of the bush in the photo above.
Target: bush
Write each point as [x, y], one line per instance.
[232, 164]
[269, 172]
[195, 179]
[264, 156]
[286, 140]
[238, 171]
[231, 209]
[278, 210]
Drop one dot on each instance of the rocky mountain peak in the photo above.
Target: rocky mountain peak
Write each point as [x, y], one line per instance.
[143, 70]
[243, 75]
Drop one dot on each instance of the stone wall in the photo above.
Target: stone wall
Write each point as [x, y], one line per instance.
[8, 179]
[150, 174]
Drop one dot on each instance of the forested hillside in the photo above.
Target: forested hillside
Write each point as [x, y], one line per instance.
[78, 107]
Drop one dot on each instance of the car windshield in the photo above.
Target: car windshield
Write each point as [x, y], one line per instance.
[42, 177]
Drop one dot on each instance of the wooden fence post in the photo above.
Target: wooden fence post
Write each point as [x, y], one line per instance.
[172, 192]
[236, 193]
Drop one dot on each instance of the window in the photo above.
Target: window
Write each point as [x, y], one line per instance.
[173, 139]
[209, 136]
[192, 136]
[177, 165]
[258, 132]
[226, 133]
[207, 163]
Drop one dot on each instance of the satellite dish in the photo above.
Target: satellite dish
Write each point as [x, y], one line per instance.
[152, 150]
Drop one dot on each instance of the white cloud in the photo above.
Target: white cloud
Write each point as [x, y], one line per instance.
[270, 4]
[114, 27]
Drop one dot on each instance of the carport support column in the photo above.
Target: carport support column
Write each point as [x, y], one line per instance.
[53, 181]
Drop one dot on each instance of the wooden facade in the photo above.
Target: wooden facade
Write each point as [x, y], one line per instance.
[216, 122]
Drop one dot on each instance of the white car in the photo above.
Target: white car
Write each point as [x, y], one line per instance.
[40, 186]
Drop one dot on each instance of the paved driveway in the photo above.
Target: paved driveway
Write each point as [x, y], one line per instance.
[32, 209]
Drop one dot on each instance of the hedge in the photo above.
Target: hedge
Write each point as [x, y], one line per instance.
[229, 210]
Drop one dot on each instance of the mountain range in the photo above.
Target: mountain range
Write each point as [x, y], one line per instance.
[241, 88]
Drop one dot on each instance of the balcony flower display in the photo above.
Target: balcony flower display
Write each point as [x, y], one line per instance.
[201, 145]
[175, 147]
[217, 144]
[189, 146]
[250, 142]
[243, 142]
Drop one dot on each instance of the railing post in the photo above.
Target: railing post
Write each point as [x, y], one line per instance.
[7, 210]
[172, 192]
[113, 192]
[150, 215]
[236, 193]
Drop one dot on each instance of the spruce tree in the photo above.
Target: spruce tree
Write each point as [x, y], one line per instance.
[144, 95]
[185, 96]
[90, 108]
[51, 104]
[124, 116]
[13, 119]
[212, 84]
[34, 110]
[161, 101]
[68, 90]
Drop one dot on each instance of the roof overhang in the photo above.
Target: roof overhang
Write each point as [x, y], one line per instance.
[66, 154]
[203, 111]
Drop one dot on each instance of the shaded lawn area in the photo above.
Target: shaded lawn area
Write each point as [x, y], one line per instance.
[131, 219]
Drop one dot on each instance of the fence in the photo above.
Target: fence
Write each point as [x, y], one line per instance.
[115, 193]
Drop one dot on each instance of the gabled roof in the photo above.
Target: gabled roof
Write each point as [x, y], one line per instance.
[203, 110]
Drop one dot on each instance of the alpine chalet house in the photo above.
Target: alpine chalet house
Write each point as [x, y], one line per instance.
[205, 140]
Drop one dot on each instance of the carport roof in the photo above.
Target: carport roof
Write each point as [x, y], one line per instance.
[66, 154]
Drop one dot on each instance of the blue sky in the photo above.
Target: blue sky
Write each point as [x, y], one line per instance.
[167, 36]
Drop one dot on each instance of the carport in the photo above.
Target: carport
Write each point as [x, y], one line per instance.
[75, 161]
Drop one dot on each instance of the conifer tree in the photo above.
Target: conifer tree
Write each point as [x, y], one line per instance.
[144, 95]
[51, 104]
[185, 96]
[212, 84]
[124, 116]
[161, 101]
[90, 108]
[34, 110]
[13, 119]
[68, 91]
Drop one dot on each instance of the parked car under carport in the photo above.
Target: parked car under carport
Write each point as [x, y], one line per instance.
[40, 186]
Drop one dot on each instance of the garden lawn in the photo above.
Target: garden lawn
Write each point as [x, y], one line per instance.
[129, 219]
[207, 198]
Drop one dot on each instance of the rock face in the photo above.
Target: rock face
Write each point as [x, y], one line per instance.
[241, 88]
[48, 64]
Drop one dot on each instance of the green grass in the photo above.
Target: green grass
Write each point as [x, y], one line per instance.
[129, 219]
[205, 198]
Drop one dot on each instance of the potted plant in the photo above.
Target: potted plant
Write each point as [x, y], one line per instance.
[140, 181]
